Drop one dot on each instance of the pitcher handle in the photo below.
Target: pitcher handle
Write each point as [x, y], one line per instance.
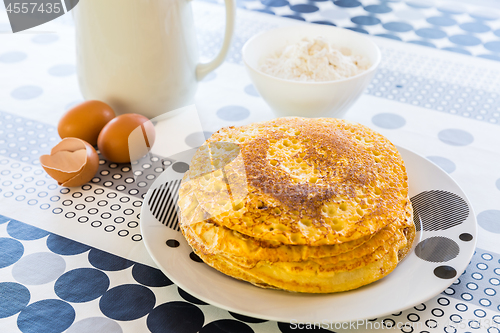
[203, 69]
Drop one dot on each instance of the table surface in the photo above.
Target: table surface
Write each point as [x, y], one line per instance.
[73, 259]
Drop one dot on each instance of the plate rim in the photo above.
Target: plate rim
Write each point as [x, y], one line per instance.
[263, 316]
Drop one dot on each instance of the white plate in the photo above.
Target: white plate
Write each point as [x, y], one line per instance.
[413, 282]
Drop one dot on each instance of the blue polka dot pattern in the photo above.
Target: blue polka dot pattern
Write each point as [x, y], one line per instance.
[422, 42]
[226, 325]
[388, 120]
[442, 21]
[267, 11]
[47, 316]
[81, 285]
[4, 219]
[347, 3]
[303, 8]
[23, 231]
[378, 9]
[365, 20]
[107, 261]
[465, 40]
[233, 113]
[149, 276]
[12, 57]
[397, 26]
[38, 268]
[456, 50]
[390, 36]
[179, 317]
[11, 250]
[189, 297]
[488, 220]
[62, 70]
[45, 38]
[324, 23]
[489, 56]
[95, 324]
[363, 31]
[140, 301]
[250, 90]
[26, 92]
[455, 137]
[474, 27]
[453, 10]
[419, 4]
[275, 3]
[65, 246]
[492, 46]
[431, 33]
[295, 17]
[444, 163]
[13, 298]
[486, 16]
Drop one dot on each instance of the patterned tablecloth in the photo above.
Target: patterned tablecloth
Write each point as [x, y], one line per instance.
[73, 259]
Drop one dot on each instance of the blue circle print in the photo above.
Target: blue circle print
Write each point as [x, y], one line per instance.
[444, 163]
[324, 23]
[81, 285]
[295, 17]
[419, 4]
[388, 120]
[430, 33]
[4, 219]
[23, 231]
[139, 302]
[275, 3]
[26, 92]
[11, 250]
[65, 246]
[363, 31]
[189, 297]
[107, 261]
[150, 276]
[13, 298]
[457, 50]
[179, 317]
[474, 27]
[304, 8]
[489, 56]
[488, 220]
[47, 316]
[390, 36]
[247, 319]
[378, 9]
[492, 46]
[422, 42]
[450, 10]
[347, 3]
[397, 26]
[267, 11]
[465, 40]
[442, 21]
[226, 326]
[455, 137]
[235, 112]
[365, 20]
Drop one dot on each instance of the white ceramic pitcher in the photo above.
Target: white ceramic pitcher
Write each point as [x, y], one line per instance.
[141, 56]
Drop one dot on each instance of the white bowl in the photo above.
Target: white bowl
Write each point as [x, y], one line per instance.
[309, 99]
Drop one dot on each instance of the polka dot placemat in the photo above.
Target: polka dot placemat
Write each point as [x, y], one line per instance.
[462, 28]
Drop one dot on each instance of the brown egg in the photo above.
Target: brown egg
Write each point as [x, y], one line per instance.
[85, 121]
[126, 138]
[72, 162]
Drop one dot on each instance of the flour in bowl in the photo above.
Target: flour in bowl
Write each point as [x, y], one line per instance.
[314, 60]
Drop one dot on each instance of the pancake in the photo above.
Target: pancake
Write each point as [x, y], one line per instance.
[305, 205]
[305, 181]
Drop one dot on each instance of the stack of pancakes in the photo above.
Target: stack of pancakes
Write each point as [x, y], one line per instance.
[305, 205]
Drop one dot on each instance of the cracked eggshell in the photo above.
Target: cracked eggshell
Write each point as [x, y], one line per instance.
[72, 162]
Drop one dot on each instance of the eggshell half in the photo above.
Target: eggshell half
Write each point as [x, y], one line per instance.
[72, 162]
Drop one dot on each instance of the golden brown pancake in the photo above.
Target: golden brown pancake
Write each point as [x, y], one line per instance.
[308, 205]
